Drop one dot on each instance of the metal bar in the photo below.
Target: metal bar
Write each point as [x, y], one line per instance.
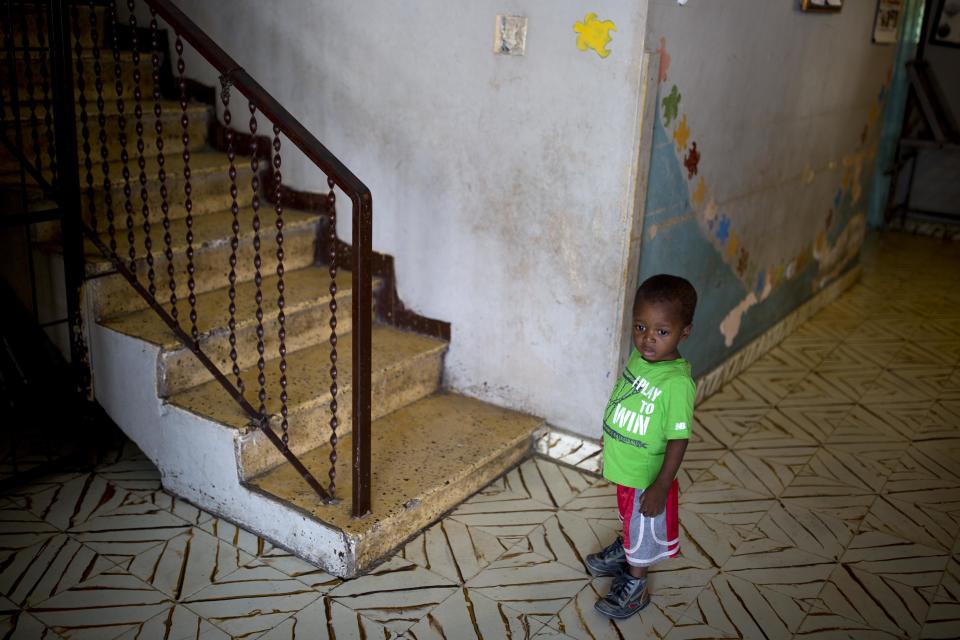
[267, 104]
[161, 162]
[84, 119]
[141, 146]
[362, 369]
[257, 262]
[235, 227]
[260, 422]
[27, 166]
[281, 301]
[334, 420]
[69, 183]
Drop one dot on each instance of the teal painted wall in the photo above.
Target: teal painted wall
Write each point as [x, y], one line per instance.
[766, 134]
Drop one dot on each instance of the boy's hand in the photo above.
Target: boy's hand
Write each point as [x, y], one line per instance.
[654, 500]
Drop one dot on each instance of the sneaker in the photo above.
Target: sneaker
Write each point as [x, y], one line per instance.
[609, 562]
[627, 596]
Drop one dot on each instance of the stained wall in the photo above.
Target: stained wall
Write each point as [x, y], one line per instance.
[502, 185]
[763, 149]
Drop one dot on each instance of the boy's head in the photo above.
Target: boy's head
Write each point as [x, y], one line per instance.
[663, 311]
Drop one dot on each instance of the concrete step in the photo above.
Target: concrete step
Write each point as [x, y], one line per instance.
[427, 457]
[306, 311]
[406, 367]
[83, 14]
[113, 295]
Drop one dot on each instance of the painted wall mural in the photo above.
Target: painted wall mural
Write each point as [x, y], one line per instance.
[593, 34]
[689, 232]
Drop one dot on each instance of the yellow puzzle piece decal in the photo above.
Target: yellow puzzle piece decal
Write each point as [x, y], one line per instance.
[594, 33]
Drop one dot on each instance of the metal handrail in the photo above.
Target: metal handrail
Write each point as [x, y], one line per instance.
[67, 191]
[362, 202]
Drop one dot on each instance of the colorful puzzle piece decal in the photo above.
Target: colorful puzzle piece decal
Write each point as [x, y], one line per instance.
[671, 106]
[742, 261]
[723, 229]
[733, 245]
[664, 59]
[594, 34]
[700, 193]
[692, 161]
[681, 134]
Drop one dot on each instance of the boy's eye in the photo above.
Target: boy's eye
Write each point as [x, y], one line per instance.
[662, 332]
[639, 328]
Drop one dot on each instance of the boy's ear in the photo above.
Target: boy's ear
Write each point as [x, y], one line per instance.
[686, 332]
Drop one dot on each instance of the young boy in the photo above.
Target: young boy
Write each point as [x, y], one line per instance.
[645, 430]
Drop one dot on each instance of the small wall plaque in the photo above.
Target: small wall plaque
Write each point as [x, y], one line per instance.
[510, 36]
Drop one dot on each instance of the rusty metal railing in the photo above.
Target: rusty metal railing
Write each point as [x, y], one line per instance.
[75, 87]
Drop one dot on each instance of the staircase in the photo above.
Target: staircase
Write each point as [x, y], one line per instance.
[430, 448]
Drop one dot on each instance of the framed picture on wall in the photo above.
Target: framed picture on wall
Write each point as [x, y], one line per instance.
[887, 20]
[946, 24]
[821, 5]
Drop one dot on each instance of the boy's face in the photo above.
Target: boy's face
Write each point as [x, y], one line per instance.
[658, 330]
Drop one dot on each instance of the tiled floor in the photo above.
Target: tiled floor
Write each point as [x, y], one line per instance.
[821, 498]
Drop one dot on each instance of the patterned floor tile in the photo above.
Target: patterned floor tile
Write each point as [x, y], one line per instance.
[175, 623]
[566, 538]
[529, 583]
[763, 472]
[133, 474]
[735, 395]
[20, 625]
[19, 528]
[780, 568]
[741, 609]
[454, 550]
[835, 472]
[806, 352]
[852, 356]
[727, 426]
[807, 423]
[31, 575]
[812, 531]
[549, 633]
[864, 426]
[773, 383]
[187, 562]
[925, 467]
[103, 607]
[250, 600]
[177, 506]
[499, 511]
[858, 600]
[703, 451]
[930, 518]
[943, 619]
[325, 619]
[469, 615]
[270, 554]
[891, 387]
[598, 506]
[712, 531]
[816, 390]
[124, 533]
[66, 501]
[547, 482]
[397, 594]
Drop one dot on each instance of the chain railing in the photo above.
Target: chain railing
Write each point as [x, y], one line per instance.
[74, 88]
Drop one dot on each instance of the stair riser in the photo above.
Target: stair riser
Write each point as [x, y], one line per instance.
[212, 263]
[179, 369]
[309, 425]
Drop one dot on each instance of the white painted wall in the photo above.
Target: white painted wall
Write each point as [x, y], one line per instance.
[502, 185]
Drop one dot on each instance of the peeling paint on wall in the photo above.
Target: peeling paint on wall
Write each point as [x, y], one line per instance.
[594, 34]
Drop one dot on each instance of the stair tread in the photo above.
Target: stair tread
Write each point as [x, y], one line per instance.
[419, 452]
[208, 228]
[308, 375]
[302, 287]
[169, 110]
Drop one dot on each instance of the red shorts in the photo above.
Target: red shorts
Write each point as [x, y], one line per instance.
[649, 540]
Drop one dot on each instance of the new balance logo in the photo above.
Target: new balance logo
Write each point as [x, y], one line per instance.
[680, 426]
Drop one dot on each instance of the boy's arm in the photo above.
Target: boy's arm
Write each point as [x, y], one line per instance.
[654, 497]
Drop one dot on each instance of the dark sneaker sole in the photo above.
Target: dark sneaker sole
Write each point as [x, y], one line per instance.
[620, 616]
